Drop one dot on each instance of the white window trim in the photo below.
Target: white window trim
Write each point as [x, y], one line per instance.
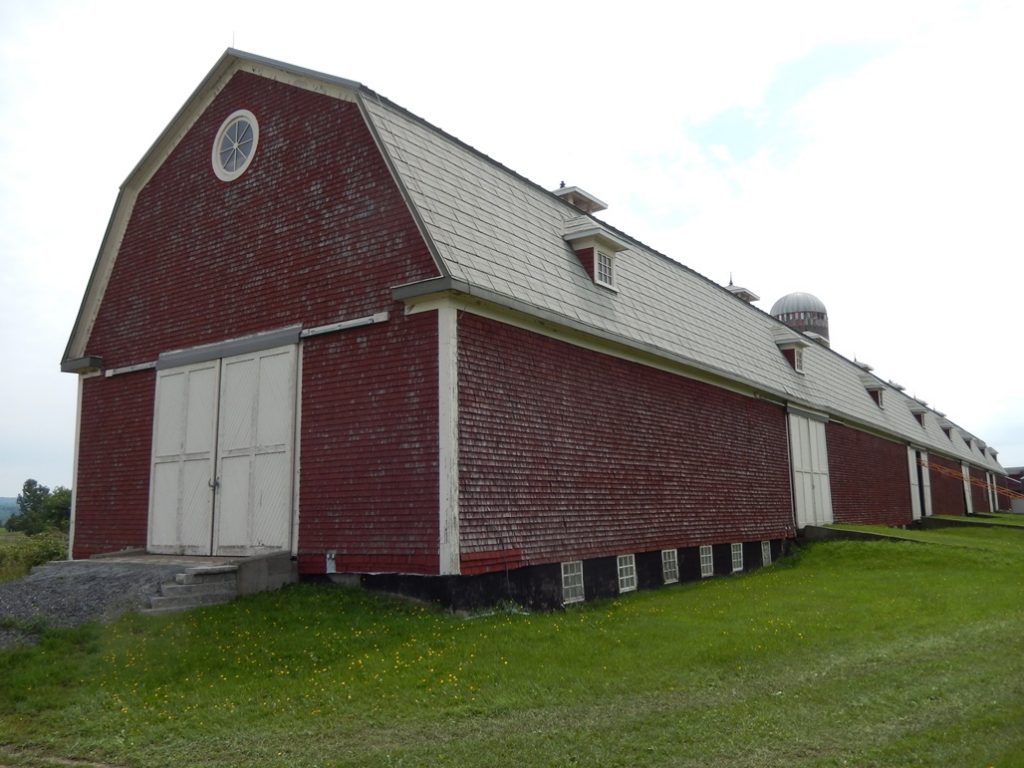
[737, 557]
[222, 173]
[569, 585]
[626, 565]
[798, 360]
[707, 561]
[766, 553]
[610, 257]
[670, 566]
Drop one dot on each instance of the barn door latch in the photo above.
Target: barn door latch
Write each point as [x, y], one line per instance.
[214, 483]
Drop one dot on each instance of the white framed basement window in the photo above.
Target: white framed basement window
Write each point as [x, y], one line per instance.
[627, 573]
[670, 565]
[707, 561]
[572, 582]
[766, 553]
[604, 269]
[737, 557]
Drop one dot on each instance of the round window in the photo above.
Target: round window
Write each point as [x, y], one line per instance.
[235, 145]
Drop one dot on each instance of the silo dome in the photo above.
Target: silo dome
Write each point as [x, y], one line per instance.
[803, 312]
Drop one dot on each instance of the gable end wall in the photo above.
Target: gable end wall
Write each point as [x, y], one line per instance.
[314, 232]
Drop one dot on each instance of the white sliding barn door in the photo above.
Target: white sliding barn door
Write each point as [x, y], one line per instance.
[926, 485]
[223, 445]
[254, 452]
[915, 484]
[184, 458]
[968, 501]
[812, 493]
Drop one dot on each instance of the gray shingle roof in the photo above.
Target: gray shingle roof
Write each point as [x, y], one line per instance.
[500, 233]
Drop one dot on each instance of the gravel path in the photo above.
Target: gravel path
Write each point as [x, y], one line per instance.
[66, 594]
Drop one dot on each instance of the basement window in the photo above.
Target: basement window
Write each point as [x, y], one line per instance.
[707, 561]
[737, 557]
[627, 573]
[670, 565]
[605, 274]
[766, 553]
[572, 582]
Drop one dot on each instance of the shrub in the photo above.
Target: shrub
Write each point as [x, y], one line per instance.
[19, 552]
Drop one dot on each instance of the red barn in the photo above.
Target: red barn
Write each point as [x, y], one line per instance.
[319, 324]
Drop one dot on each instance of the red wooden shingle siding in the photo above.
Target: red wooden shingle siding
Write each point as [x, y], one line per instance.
[369, 449]
[566, 453]
[586, 257]
[869, 477]
[1006, 484]
[315, 231]
[947, 491]
[979, 493]
[112, 487]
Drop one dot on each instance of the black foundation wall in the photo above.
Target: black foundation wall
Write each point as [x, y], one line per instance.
[540, 586]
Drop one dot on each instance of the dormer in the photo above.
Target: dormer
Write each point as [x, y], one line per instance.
[791, 344]
[919, 412]
[947, 427]
[875, 388]
[596, 246]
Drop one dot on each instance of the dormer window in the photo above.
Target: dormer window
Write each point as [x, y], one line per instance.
[875, 388]
[596, 247]
[605, 274]
[795, 357]
[791, 345]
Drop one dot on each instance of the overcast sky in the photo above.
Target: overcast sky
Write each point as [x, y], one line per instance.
[868, 153]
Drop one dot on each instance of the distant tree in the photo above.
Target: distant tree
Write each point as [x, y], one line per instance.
[39, 509]
[58, 508]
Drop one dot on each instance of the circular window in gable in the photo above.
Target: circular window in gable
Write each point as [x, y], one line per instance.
[235, 145]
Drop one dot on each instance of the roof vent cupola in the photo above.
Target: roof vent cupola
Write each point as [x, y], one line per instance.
[580, 199]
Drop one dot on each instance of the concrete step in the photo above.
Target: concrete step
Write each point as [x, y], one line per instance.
[194, 600]
[204, 574]
[199, 588]
[196, 586]
[199, 585]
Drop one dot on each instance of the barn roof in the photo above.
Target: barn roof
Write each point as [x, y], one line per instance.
[500, 237]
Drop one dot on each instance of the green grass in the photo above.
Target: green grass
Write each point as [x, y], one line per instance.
[18, 552]
[852, 653]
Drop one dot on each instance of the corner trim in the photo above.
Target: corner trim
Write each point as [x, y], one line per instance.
[448, 440]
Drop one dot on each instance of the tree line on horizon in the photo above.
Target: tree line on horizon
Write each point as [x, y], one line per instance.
[40, 509]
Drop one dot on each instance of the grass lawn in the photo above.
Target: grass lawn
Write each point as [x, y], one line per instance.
[853, 653]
